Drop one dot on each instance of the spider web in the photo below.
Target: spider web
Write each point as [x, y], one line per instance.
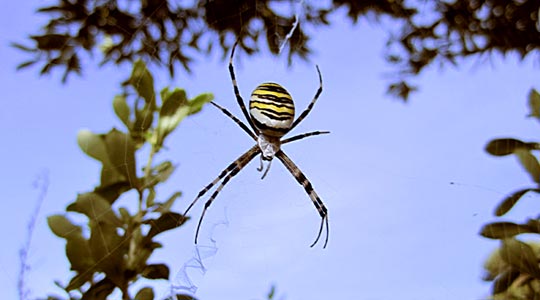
[195, 266]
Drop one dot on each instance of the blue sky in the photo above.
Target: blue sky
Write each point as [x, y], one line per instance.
[398, 227]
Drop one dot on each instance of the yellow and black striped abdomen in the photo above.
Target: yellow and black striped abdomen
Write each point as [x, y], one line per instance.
[272, 109]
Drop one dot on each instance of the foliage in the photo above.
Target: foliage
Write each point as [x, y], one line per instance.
[111, 252]
[514, 267]
[166, 32]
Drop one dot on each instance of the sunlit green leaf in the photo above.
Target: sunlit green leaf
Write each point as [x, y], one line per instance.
[510, 201]
[502, 230]
[93, 145]
[534, 104]
[530, 163]
[121, 109]
[95, 208]
[145, 293]
[168, 204]
[520, 256]
[62, 226]
[196, 104]
[166, 221]
[121, 152]
[156, 271]
[142, 81]
[173, 110]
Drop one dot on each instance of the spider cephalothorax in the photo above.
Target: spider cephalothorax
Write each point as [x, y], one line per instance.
[271, 116]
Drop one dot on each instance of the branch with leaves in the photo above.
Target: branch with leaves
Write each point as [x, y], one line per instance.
[514, 267]
[115, 252]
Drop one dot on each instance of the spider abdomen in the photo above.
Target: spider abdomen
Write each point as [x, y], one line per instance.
[272, 109]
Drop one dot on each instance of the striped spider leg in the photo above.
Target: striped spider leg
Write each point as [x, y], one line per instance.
[271, 116]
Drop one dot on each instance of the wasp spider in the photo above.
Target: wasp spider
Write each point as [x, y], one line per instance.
[271, 116]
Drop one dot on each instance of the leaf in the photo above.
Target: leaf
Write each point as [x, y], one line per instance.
[78, 254]
[173, 110]
[165, 207]
[51, 41]
[62, 226]
[505, 146]
[143, 82]
[166, 221]
[502, 230]
[504, 281]
[151, 197]
[121, 152]
[112, 191]
[510, 201]
[26, 64]
[121, 109]
[145, 293]
[534, 104]
[93, 145]
[100, 290]
[156, 271]
[530, 163]
[520, 256]
[162, 172]
[23, 47]
[196, 104]
[184, 297]
[95, 208]
[108, 251]
[78, 280]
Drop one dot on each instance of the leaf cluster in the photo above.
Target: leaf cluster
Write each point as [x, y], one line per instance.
[167, 32]
[514, 267]
[111, 251]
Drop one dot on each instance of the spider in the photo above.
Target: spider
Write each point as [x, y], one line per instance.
[271, 115]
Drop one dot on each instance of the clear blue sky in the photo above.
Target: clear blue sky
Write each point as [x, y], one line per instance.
[398, 227]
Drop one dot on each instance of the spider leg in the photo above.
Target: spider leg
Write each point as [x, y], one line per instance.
[234, 165]
[303, 135]
[240, 164]
[236, 120]
[237, 91]
[301, 178]
[310, 106]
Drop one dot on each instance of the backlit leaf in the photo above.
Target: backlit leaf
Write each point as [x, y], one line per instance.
[121, 109]
[78, 254]
[501, 147]
[196, 104]
[168, 204]
[504, 281]
[520, 256]
[510, 201]
[173, 110]
[142, 81]
[502, 230]
[530, 163]
[156, 271]
[534, 104]
[145, 293]
[100, 290]
[121, 152]
[166, 221]
[93, 145]
[95, 208]
[108, 250]
[62, 226]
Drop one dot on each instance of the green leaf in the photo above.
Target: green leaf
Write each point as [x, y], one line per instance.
[504, 281]
[502, 230]
[108, 251]
[78, 280]
[156, 271]
[162, 172]
[121, 109]
[510, 201]
[184, 297]
[196, 104]
[95, 208]
[165, 207]
[151, 197]
[93, 145]
[62, 226]
[112, 191]
[79, 256]
[145, 293]
[534, 104]
[100, 290]
[166, 221]
[143, 119]
[143, 82]
[521, 256]
[530, 163]
[173, 110]
[121, 152]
